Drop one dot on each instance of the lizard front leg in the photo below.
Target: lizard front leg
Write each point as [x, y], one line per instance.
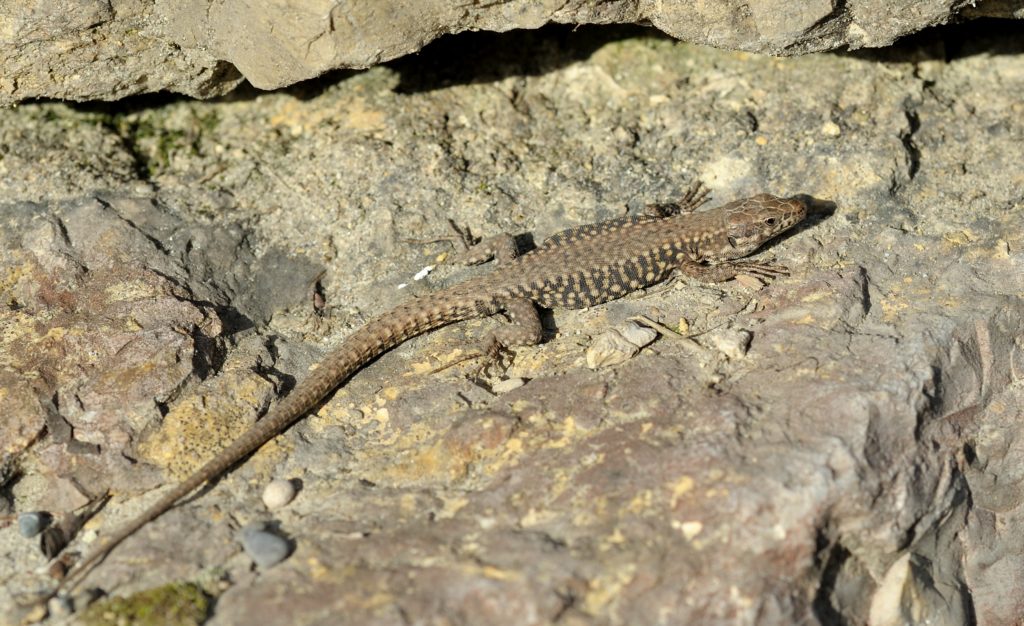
[474, 250]
[523, 329]
[501, 248]
[694, 197]
[726, 270]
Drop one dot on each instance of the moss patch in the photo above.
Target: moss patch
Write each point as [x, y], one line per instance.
[179, 604]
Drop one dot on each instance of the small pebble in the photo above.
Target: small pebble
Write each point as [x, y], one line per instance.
[60, 606]
[263, 547]
[35, 614]
[734, 344]
[683, 327]
[638, 335]
[31, 524]
[58, 569]
[749, 281]
[831, 129]
[505, 386]
[278, 493]
[420, 275]
[619, 344]
[85, 598]
[52, 541]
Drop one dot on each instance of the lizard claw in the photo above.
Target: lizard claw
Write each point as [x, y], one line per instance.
[767, 271]
[695, 196]
[463, 359]
[462, 236]
[493, 352]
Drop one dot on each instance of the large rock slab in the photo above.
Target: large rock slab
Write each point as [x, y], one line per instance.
[841, 446]
[109, 49]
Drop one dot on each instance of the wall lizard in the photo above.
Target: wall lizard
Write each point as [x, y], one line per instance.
[576, 268]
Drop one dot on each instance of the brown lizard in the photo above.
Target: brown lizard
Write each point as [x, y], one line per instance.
[575, 268]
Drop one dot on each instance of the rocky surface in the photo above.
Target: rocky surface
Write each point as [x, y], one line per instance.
[839, 447]
[109, 49]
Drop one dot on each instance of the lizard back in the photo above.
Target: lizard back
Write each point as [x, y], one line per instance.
[593, 264]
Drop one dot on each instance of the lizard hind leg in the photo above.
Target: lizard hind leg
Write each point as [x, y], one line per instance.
[523, 329]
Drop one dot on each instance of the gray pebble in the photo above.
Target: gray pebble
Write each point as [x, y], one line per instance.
[60, 606]
[264, 547]
[31, 524]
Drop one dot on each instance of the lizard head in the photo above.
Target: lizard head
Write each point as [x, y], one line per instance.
[750, 222]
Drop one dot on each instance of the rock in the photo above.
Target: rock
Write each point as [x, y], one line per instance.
[60, 606]
[733, 343]
[31, 524]
[278, 493]
[868, 441]
[264, 547]
[507, 385]
[204, 49]
[619, 344]
[52, 541]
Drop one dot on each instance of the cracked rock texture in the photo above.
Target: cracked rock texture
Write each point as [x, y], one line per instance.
[839, 447]
[109, 49]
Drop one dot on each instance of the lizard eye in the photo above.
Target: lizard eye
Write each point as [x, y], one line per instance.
[770, 221]
[732, 241]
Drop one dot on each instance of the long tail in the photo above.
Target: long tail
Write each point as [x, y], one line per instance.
[365, 344]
